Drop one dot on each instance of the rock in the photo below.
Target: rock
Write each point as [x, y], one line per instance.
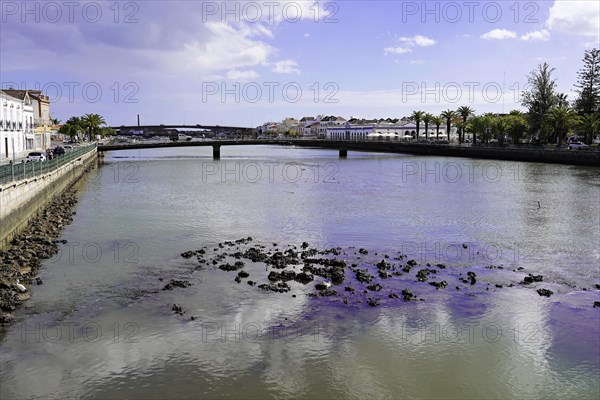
[274, 276]
[280, 287]
[439, 285]
[38, 281]
[470, 278]
[323, 285]
[393, 296]
[363, 251]
[304, 245]
[545, 292]
[304, 277]
[407, 295]
[596, 304]
[187, 254]
[229, 267]
[375, 288]
[287, 275]
[372, 302]
[238, 279]
[532, 278]
[175, 283]
[251, 283]
[363, 276]
[349, 289]
[177, 309]
[598, 286]
[423, 274]
[243, 274]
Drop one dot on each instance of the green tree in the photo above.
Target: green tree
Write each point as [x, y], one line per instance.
[437, 121]
[92, 123]
[588, 125]
[540, 98]
[448, 115]
[561, 119]
[499, 128]
[464, 112]
[517, 126]
[588, 84]
[72, 127]
[417, 116]
[427, 118]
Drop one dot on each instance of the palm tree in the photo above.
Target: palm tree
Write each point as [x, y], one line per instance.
[92, 123]
[499, 128]
[427, 118]
[437, 121]
[561, 119]
[589, 125]
[55, 121]
[72, 127]
[517, 126]
[464, 113]
[417, 116]
[448, 115]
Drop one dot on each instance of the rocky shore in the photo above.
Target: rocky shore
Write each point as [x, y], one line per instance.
[356, 276]
[22, 259]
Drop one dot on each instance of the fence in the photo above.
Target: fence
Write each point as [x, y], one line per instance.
[24, 170]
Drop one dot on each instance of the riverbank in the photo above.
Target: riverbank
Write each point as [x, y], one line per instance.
[24, 255]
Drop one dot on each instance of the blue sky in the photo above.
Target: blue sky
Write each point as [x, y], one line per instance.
[228, 63]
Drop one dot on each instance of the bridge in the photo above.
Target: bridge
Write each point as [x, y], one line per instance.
[528, 154]
[214, 128]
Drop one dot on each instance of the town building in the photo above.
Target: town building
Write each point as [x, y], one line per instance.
[16, 125]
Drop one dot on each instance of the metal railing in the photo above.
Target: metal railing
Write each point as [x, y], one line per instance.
[24, 170]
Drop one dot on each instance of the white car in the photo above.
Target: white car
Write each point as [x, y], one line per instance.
[36, 156]
[68, 148]
[577, 146]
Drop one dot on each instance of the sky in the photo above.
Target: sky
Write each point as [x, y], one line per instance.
[248, 62]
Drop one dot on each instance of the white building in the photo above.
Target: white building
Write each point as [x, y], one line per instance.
[16, 126]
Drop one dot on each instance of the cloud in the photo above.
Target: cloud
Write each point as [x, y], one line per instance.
[407, 44]
[578, 17]
[396, 50]
[418, 40]
[237, 75]
[286, 67]
[417, 62]
[499, 34]
[542, 35]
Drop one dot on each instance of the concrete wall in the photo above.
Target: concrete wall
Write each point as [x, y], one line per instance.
[20, 201]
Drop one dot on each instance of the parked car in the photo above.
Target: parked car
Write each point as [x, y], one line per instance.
[36, 156]
[68, 148]
[59, 151]
[577, 146]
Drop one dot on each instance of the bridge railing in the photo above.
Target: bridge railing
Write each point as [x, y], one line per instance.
[25, 170]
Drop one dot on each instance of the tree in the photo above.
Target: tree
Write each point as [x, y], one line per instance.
[417, 116]
[427, 118]
[517, 126]
[72, 127]
[561, 119]
[55, 121]
[588, 125]
[464, 113]
[588, 84]
[92, 123]
[540, 98]
[437, 121]
[478, 125]
[499, 128]
[448, 115]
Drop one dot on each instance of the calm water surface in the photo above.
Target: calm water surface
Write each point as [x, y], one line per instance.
[101, 327]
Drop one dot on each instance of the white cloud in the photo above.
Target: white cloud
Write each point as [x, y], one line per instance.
[542, 35]
[237, 75]
[286, 67]
[407, 43]
[499, 34]
[579, 17]
[418, 40]
[417, 62]
[396, 50]
[307, 35]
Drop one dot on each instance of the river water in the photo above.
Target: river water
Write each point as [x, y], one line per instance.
[101, 326]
